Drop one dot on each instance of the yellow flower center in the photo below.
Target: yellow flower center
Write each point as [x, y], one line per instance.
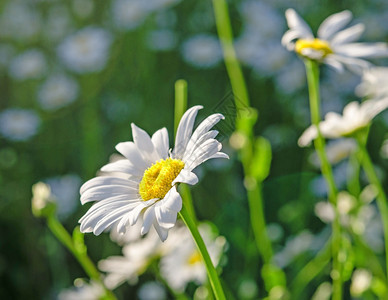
[315, 44]
[194, 258]
[157, 179]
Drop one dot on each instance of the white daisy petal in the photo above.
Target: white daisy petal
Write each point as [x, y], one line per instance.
[106, 180]
[134, 215]
[148, 219]
[111, 218]
[363, 49]
[186, 176]
[333, 24]
[185, 128]
[160, 141]
[162, 232]
[348, 35]
[331, 61]
[122, 166]
[131, 152]
[294, 21]
[289, 37]
[102, 192]
[165, 217]
[196, 143]
[173, 200]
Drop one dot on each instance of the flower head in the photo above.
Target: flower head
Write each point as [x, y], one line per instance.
[151, 173]
[333, 45]
[355, 117]
[374, 83]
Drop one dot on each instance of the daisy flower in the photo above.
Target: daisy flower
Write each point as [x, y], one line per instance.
[355, 117]
[333, 45]
[152, 172]
[183, 263]
[374, 83]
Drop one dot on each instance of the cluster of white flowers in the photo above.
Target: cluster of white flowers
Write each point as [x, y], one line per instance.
[180, 261]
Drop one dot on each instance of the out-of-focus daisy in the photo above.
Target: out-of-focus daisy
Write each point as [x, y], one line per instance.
[184, 264]
[202, 51]
[355, 117]
[152, 172]
[57, 91]
[86, 50]
[28, 65]
[65, 190]
[20, 20]
[82, 291]
[136, 257]
[336, 151]
[152, 290]
[42, 200]
[161, 40]
[374, 83]
[129, 14]
[333, 46]
[361, 281]
[18, 124]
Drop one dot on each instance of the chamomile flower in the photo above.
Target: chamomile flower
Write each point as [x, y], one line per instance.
[333, 45]
[355, 117]
[374, 83]
[152, 172]
[82, 291]
[183, 263]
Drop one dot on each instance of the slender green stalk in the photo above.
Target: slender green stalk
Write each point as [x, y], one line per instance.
[63, 236]
[381, 196]
[312, 71]
[245, 127]
[180, 101]
[255, 199]
[233, 67]
[211, 271]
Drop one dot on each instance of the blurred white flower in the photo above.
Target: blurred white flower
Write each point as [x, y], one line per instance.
[82, 291]
[325, 211]
[374, 83]
[20, 21]
[31, 64]
[202, 50]
[57, 91]
[18, 124]
[355, 117]
[129, 14]
[361, 281]
[336, 151]
[294, 246]
[41, 199]
[152, 172]
[152, 290]
[184, 263]
[323, 291]
[136, 257]
[131, 234]
[87, 50]
[161, 40]
[65, 189]
[333, 46]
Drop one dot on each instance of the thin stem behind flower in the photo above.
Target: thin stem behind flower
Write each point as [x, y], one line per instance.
[312, 71]
[211, 271]
[64, 237]
[381, 196]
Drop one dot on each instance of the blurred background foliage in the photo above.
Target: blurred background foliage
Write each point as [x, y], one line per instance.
[75, 74]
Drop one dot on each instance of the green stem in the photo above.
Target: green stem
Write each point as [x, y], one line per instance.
[232, 64]
[180, 101]
[381, 196]
[63, 236]
[255, 199]
[211, 271]
[312, 71]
